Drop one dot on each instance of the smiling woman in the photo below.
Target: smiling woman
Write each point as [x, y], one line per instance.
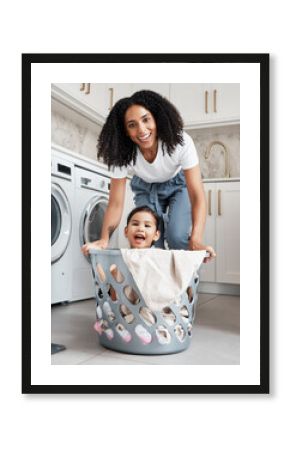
[141, 128]
[143, 135]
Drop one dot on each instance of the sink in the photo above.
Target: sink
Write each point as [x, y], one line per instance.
[217, 145]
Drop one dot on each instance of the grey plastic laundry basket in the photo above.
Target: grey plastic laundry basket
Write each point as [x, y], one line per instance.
[124, 322]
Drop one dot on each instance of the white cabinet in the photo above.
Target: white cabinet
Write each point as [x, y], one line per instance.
[94, 100]
[112, 93]
[205, 104]
[207, 271]
[189, 99]
[223, 232]
[200, 104]
[224, 101]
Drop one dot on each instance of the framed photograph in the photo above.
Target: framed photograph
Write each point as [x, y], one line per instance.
[187, 136]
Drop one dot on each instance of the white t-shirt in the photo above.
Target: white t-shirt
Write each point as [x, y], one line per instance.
[164, 167]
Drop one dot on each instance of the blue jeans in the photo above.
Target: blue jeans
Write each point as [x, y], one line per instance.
[171, 202]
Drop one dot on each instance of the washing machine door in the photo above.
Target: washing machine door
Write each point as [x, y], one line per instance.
[92, 219]
[61, 222]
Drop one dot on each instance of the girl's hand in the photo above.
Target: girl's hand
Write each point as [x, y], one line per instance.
[196, 245]
[99, 245]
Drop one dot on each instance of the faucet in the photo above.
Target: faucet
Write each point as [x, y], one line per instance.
[226, 153]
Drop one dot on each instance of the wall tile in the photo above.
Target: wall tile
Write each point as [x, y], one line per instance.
[78, 135]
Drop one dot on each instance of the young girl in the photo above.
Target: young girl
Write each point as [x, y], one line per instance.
[142, 227]
[143, 136]
[141, 232]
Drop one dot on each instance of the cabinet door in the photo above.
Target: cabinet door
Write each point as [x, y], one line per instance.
[103, 96]
[224, 101]
[228, 232]
[206, 103]
[190, 100]
[114, 92]
[207, 271]
[72, 89]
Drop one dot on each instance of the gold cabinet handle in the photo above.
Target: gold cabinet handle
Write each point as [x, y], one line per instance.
[111, 98]
[206, 102]
[87, 88]
[214, 101]
[209, 202]
[219, 202]
[82, 86]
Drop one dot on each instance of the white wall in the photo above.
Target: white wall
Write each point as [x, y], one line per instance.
[171, 422]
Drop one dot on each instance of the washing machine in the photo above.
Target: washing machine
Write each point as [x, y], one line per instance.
[92, 187]
[62, 198]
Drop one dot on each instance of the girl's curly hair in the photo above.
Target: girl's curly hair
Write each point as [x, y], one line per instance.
[115, 146]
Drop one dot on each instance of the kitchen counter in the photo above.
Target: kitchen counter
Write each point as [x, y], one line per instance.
[219, 180]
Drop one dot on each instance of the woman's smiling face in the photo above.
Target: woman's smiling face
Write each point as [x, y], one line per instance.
[141, 127]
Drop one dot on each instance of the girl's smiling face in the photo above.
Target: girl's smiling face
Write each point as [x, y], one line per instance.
[141, 230]
[141, 127]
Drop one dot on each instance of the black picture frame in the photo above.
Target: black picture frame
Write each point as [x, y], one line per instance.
[263, 61]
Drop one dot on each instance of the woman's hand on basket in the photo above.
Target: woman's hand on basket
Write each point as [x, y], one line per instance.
[97, 245]
[196, 245]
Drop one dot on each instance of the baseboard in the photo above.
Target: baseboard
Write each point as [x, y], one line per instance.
[219, 288]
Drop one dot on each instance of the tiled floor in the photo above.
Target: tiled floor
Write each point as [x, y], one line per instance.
[215, 337]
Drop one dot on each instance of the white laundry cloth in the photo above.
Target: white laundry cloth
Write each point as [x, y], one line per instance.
[162, 275]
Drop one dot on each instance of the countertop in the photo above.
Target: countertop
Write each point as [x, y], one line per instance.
[219, 180]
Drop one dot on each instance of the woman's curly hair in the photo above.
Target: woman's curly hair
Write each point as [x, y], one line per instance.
[115, 146]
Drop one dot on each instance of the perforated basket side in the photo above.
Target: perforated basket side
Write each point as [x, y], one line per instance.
[138, 336]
